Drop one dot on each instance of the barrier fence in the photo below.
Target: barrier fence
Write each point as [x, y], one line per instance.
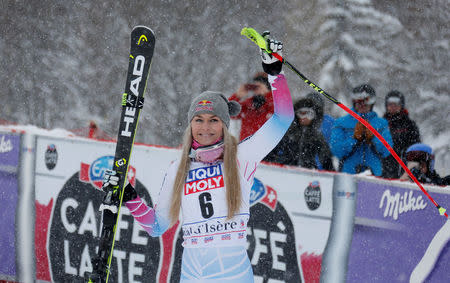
[305, 225]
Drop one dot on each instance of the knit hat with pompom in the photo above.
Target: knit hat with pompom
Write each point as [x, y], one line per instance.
[215, 103]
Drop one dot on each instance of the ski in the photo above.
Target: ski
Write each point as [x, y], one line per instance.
[141, 53]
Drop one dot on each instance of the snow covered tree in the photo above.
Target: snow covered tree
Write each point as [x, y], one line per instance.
[64, 64]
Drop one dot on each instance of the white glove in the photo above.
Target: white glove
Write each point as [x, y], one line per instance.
[110, 179]
[274, 46]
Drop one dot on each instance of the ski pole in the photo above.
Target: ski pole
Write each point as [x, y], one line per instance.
[254, 36]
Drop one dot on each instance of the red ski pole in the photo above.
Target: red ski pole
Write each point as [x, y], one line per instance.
[261, 42]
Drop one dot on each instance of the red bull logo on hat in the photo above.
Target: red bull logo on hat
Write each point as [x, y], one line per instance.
[204, 102]
[93, 173]
[204, 105]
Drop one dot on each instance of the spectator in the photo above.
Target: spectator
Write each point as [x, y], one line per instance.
[420, 160]
[304, 145]
[403, 130]
[328, 121]
[92, 131]
[353, 143]
[256, 102]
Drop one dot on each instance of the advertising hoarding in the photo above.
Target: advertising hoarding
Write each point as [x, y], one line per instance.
[287, 231]
[9, 194]
[394, 226]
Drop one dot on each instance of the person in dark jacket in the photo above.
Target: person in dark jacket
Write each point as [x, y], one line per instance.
[420, 161]
[304, 144]
[355, 145]
[327, 121]
[404, 132]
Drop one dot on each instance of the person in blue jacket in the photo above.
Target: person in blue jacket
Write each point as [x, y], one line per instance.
[420, 160]
[355, 145]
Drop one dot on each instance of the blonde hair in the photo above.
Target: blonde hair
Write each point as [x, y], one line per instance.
[232, 183]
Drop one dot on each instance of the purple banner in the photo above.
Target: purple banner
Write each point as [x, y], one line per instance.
[394, 226]
[9, 161]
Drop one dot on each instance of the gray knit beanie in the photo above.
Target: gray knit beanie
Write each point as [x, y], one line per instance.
[215, 103]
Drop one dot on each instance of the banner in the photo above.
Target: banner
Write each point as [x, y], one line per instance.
[288, 231]
[9, 162]
[394, 226]
[69, 175]
[305, 198]
[282, 246]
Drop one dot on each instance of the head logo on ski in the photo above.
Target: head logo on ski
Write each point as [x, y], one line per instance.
[141, 53]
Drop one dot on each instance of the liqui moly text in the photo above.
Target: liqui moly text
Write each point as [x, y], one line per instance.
[203, 179]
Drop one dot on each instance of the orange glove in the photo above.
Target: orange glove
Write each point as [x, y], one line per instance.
[369, 135]
[359, 132]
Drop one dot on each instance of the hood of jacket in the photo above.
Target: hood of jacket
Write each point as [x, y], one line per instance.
[318, 109]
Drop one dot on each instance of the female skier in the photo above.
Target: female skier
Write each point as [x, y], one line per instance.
[210, 184]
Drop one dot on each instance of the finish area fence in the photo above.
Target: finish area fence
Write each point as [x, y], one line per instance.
[305, 225]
